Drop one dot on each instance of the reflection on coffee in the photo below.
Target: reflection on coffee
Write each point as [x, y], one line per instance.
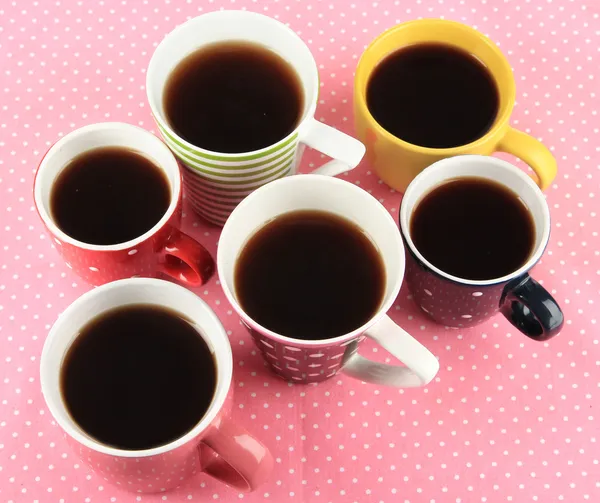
[310, 275]
[233, 97]
[138, 376]
[433, 95]
[473, 228]
[109, 195]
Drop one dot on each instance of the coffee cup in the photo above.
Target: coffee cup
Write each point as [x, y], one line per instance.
[215, 445]
[314, 360]
[161, 250]
[397, 161]
[460, 302]
[216, 181]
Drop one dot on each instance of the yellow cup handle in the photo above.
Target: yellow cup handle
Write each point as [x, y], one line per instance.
[533, 152]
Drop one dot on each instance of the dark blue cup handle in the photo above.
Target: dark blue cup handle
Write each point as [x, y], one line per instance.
[530, 308]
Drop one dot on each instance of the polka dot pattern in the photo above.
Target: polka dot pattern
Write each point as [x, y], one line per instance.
[299, 364]
[450, 304]
[506, 419]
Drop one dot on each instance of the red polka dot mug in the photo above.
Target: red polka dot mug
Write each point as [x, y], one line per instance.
[312, 361]
[162, 250]
[459, 302]
[216, 445]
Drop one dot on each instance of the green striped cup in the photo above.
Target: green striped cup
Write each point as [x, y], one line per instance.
[216, 182]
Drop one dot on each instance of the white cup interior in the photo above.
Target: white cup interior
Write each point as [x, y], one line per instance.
[109, 134]
[312, 192]
[118, 294]
[222, 26]
[489, 168]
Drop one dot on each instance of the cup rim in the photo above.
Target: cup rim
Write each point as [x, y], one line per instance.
[501, 119]
[387, 302]
[441, 165]
[58, 234]
[183, 143]
[77, 433]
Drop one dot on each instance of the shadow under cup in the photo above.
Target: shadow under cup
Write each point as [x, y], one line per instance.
[458, 302]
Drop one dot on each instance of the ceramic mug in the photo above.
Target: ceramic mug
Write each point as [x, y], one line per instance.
[216, 182]
[310, 361]
[459, 302]
[396, 161]
[216, 445]
[164, 249]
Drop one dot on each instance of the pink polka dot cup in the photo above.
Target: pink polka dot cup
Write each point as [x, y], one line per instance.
[312, 361]
[215, 445]
[162, 250]
[459, 302]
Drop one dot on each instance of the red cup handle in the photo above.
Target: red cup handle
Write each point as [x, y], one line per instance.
[237, 459]
[194, 265]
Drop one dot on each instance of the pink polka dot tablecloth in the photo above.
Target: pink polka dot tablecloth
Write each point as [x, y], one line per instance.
[506, 419]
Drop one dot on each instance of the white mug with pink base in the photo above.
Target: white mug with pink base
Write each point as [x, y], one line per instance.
[216, 445]
[311, 361]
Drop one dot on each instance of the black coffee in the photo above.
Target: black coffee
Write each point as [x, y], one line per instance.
[473, 228]
[310, 275]
[138, 377]
[233, 97]
[433, 95]
[109, 195]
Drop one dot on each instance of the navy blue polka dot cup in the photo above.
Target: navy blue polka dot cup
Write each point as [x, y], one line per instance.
[460, 302]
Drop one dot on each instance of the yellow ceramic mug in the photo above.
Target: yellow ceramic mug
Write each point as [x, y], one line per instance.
[396, 161]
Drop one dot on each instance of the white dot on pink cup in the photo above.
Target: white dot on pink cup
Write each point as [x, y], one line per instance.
[92, 268]
[477, 294]
[132, 252]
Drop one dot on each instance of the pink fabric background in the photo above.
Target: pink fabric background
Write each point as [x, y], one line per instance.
[507, 419]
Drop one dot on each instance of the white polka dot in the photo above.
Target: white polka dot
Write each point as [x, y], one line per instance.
[132, 252]
[68, 65]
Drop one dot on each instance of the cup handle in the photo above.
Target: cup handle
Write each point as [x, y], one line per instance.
[238, 459]
[194, 266]
[420, 365]
[345, 150]
[530, 308]
[533, 152]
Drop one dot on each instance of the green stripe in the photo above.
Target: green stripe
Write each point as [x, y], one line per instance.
[199, 193]
[210, 211]
[200, 164]
[225, 188]
[239, 174]
[252, 183]
[232, 157]
[229, 190]
[259, 180]
[215, 198]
